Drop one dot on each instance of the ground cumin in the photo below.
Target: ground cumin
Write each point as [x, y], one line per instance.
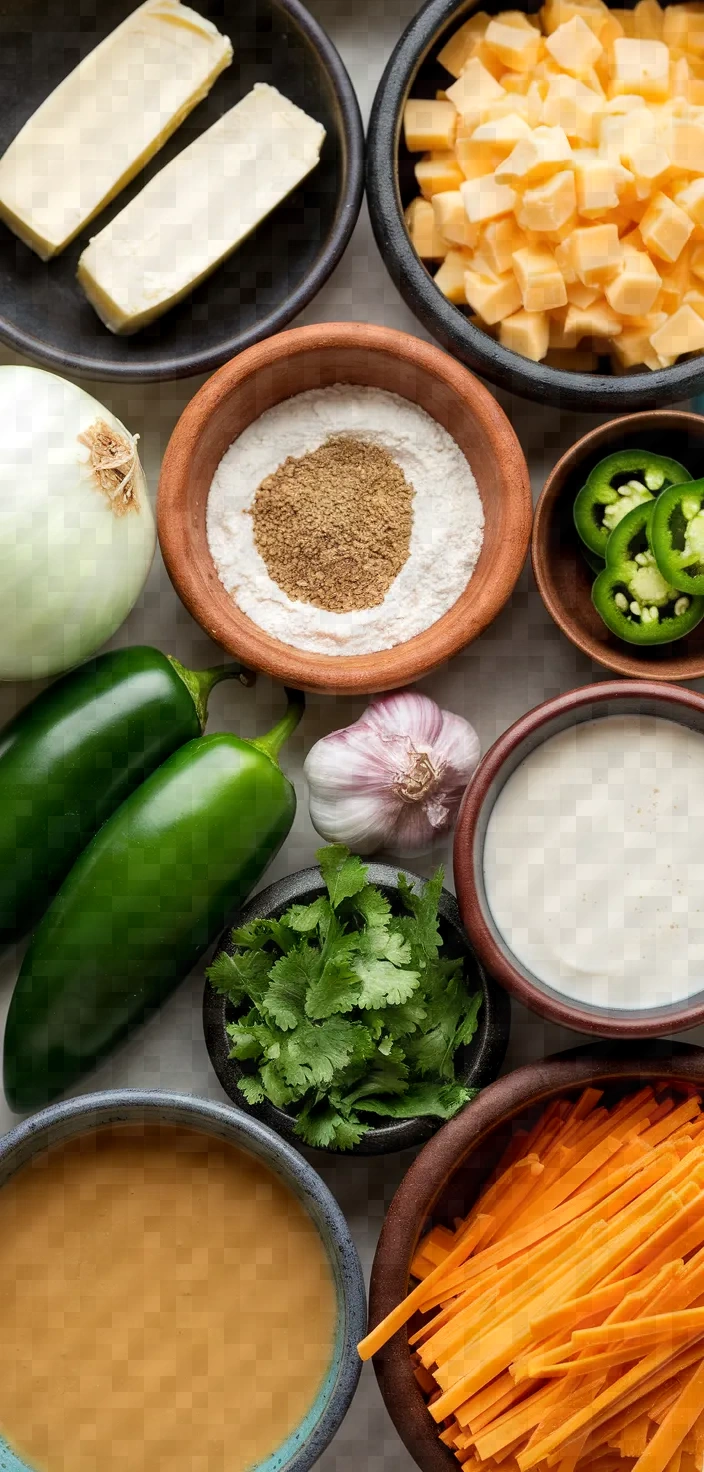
[334, 526]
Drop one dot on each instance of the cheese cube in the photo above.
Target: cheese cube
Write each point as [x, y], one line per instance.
[620, 135]
[648, 20]
[642, 67]
[425, 236]
[558, 338]
[682, 333]
[542, 286]
[582, 296]
[690, 198]
[697, 262]
[437, 172]
[574, 108]
[486, 199]
[473, 90]
[501, 239]
[492, 297]
[665, 228]
[516, 48]
[632, 348]
[596, 253]
[649, 163]
[450, 277]
[527, 333]
[528, 106]
[683, 27]
[475, 162]
[574, 46]
[550, 205]
[429, 125]
[685, 144]
[595, 183]
[546, 152]
[675, 283]
[556, 13]
[626, 20]
[633, 292]
[520, 18]
[450, 219]
[595, 321]
[517, 83]
[500, 136]
[457, 51]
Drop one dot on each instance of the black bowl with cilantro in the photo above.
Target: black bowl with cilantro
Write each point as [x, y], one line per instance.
[347, 1010]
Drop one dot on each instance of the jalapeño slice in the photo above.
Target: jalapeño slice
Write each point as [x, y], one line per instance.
[678, 536]
[632, 596]
[615, 486]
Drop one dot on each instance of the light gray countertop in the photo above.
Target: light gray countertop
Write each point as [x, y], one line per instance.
[520, 661]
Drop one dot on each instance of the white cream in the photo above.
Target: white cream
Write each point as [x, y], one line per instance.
[594, 863]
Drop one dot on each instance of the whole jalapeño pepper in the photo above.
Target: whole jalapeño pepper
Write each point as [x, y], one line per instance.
[75, 753]
[144, 900]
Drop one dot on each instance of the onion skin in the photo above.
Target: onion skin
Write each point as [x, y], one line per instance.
[72, 565]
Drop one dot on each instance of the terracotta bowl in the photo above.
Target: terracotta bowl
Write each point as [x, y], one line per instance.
[611, 698]
[447, 1176]
[315, 357]
[563, 576]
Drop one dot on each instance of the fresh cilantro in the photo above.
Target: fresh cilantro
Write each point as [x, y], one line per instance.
[344, 1009]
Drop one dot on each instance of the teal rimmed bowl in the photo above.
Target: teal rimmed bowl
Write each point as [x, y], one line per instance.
[91, 1111]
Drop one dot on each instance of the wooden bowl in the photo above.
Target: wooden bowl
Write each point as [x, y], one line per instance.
[609, 698]
[565, 580]
[448, 1174]
[316, 357]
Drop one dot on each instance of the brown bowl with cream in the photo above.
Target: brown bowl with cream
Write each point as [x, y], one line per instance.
[344, 507]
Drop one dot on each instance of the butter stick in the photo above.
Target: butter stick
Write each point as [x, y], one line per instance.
[195, 212]
[105, 120]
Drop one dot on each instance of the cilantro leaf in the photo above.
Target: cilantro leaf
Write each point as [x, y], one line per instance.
[236, 977]
[470, 1022]
[383, 984]
[323, 1126]
[372, 905]
[335, 990]
[398, 1022]
[386, 1076]
[291, 976]
[260, 933]
[275, 1086]
[252, 1088]
[442, 1100]
[424, 909]
[313, 1053]
[344, 873]
[305, 918]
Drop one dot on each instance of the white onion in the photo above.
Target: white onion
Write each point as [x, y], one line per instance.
[77, 532]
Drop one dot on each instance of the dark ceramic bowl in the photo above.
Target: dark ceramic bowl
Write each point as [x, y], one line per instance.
[91, 1111]
[561, 571]
[269, 278]
[448, 1174]
[413, 70]
[612, 698]
[478, 1063]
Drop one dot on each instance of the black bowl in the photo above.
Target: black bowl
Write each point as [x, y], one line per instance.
[269, 278]
[390, 187]
[479, 1062]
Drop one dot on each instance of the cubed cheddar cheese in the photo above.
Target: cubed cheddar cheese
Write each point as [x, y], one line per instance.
[665, 228]
[683, 332]
[650, 164]
[492, 297]
[632, 348]
[595, 183]
[493, 141]
[473, 90]
[690, 198]
[596, 321]
[527, 333]
[517, 48]
[425, 236]
[457, 51]
[451, 219]
[579, 295]
[696, 263]
[684, 140]
[558, 337]
[642, 67]
[574, 108]
[546, 152]
[486, 199]
[549, 206]
[556, 13]
[429, 125]
[539, 278]
[574, 46]
[596, 253]
[501, 238]
[437, 172]
[528, 106]
[450, 277]
[648, 21]
[633, 291]
[676, 282]
[683, 27]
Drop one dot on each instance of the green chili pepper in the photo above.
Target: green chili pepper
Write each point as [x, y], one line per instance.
[145, 899]
[632, 596]
[615, 486]
[72, 756]
[677, 534]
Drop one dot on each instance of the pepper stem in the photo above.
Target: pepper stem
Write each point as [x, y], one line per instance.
[274, 739]
[199, 683]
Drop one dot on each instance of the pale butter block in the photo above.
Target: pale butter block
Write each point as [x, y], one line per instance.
[516, 47]
[574, 46]
[665, 228]
[456, 52]
[429, 125]
[450, 219]
[491, 297]
[642, 67]
[546, 152]
[527, 333]
[682, 333]
[195, 212]
[437, 172]
[541, 282]
[549, 206]
[107, 118]
[424, 234]
[633, 292]
[596, 253]
[486, 199]
[450, 278]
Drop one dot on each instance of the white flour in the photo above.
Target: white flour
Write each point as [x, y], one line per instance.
[448, 518]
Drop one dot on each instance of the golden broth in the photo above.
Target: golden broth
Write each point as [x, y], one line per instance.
[165, 1302]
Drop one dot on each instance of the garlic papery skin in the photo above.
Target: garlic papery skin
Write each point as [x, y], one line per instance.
[395, 778]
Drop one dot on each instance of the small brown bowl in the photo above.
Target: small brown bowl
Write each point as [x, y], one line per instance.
[446, 1178]
[561, 571]
[316, 357]
[610, 698]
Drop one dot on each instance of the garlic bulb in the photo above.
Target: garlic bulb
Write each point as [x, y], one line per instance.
[395, 778]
